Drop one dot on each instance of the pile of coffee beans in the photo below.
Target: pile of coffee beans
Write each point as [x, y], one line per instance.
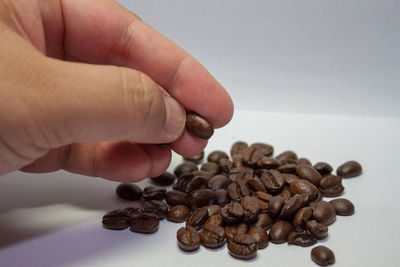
[246, 199]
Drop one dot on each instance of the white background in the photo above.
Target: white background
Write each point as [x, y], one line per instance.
[318, 77]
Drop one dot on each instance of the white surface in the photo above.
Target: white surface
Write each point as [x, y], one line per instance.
[54, 219]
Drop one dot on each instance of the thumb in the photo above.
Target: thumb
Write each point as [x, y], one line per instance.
[89, 103]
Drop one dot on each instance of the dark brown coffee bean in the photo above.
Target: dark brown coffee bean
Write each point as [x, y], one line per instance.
[130, 210]
[319, 230]
[198, 158]
[275, 205]
[260, 235]
[342, 206]
[287, 157]
[301, 217]
[241, 173]
[324, 212]
[178, 213]
[308, 173]
[301, 239]
[165, 179]
[268, 163]
[175, 197]
[157, 207]
[232, 230]
[301, 186]
[287, 168]
[216, 156]
[263, 196]
[243, 246]
[237, 160]
[212, 236]
[238, 147]
[349, 169]
[210, 167]
[185, 167]
[251, 155]
[198, 126]
[116, 220]
[197, 218]
[182, 180]
[203, 174]
[214, 219]
[219, 182]
[250, 209]
[255, 185]
[232, 213]
[265, 149]
[263, 220]
[285, 193]
[201, 197]
[129, 191]
[225, 166]
[304, 161]
[280, 231]
[331, 185]
[213, 209]
[323, 168]
[154, 193]
[221, 197]
[289, 178]
[195, 183]
[237, 190]
[322, 255]
[188, 238]
[273, 181]
[291, 206]
[145, 223]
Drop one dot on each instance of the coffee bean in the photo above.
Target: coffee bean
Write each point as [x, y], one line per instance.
[188, 238]
[221, 197]
[157, 207]
[130, 210]
[324, 212]
[232, 230]
[287, 168]
[251, 155]
[145, 223]
[198, 126]
[322, 255]
[260, 235]
[195, 183]
[232, 213]
[243, 246]
[216, 156]
[204, 174]
[301, 239]
[250, 209]
[184, 167]
[201, 197]
[175, 197]
[302, 216]
[323, 168]
[238, 148]
[308, 173]
[154, 193]
[237, 160]
[289, 178]
[210, 167]
[263, 199]
[280, 231]
[219, 182]
[319, 230]
[165, 179]
[213, 209]
[272, 180]
[349, 169]
[287, 157]
[197, 159]
[116, 220]
[129, 191]
[197, 218]
[291, 206]
[178, 213]
[265, 149]
[275, 205]
[331, 185]
[342, 206]
[301, 186]
[268, 163]
[285, 193]
[214, 219]
[255, 185]
[304, 161]
[263, 220]
[212, 236]
[237, 190]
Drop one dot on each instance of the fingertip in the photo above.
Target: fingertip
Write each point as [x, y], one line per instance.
[188, 145]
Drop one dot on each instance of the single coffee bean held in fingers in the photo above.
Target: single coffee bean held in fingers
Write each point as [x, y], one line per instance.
[188, 238]
[198, 126]
[322, 255]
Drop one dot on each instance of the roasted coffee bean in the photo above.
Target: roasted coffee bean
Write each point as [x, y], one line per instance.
[268, 163]
[280, 231]
[260, 235]
[243, 246]
[198, 126]
[219, 182]
[188, 238]
[241, 173]
[349, 169]
[287, 168]
[302, 216]
[130, 210]
[287, 157]
[342, 206]
[216, 156]
[285, 193]
[265, 149]
[273, 181]
[263, 196]
[289, 178]
[237, 190]
[221, 197]
[116, 220]
[178, 213]
[301, 186]
[301, 239]
[157, 207]
[319, 230]
[308, 173]
[165, 179]
[263, 220]
[324, 212]
[275, 205]
[201, 197]
[198, 158]
[154, 193]
[291, 206]
[225, 166]
[129, 191]
[251, 155]
[237, 160]
[232, 213]
[184, 167]
[214, 219]
[238, 147]
[197, 218]
[195, 183]
[322, 255]
[323, 168]
[255, 185]
[212, 236]
[331, 185]
[210, 167]
[175, 197]
[145, 223]
[250, 209]
[213, 209]
[182, 180]
[304, 161]
[203, 174]
[232, 230]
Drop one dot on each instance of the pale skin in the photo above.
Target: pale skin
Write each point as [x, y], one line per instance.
[88, 87]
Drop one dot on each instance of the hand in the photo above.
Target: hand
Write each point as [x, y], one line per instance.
[88, 87]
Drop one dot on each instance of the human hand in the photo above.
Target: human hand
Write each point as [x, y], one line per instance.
[88, 87]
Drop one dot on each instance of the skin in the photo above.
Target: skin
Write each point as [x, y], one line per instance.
[88, 87]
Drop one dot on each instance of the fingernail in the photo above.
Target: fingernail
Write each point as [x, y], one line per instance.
[175, 118]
